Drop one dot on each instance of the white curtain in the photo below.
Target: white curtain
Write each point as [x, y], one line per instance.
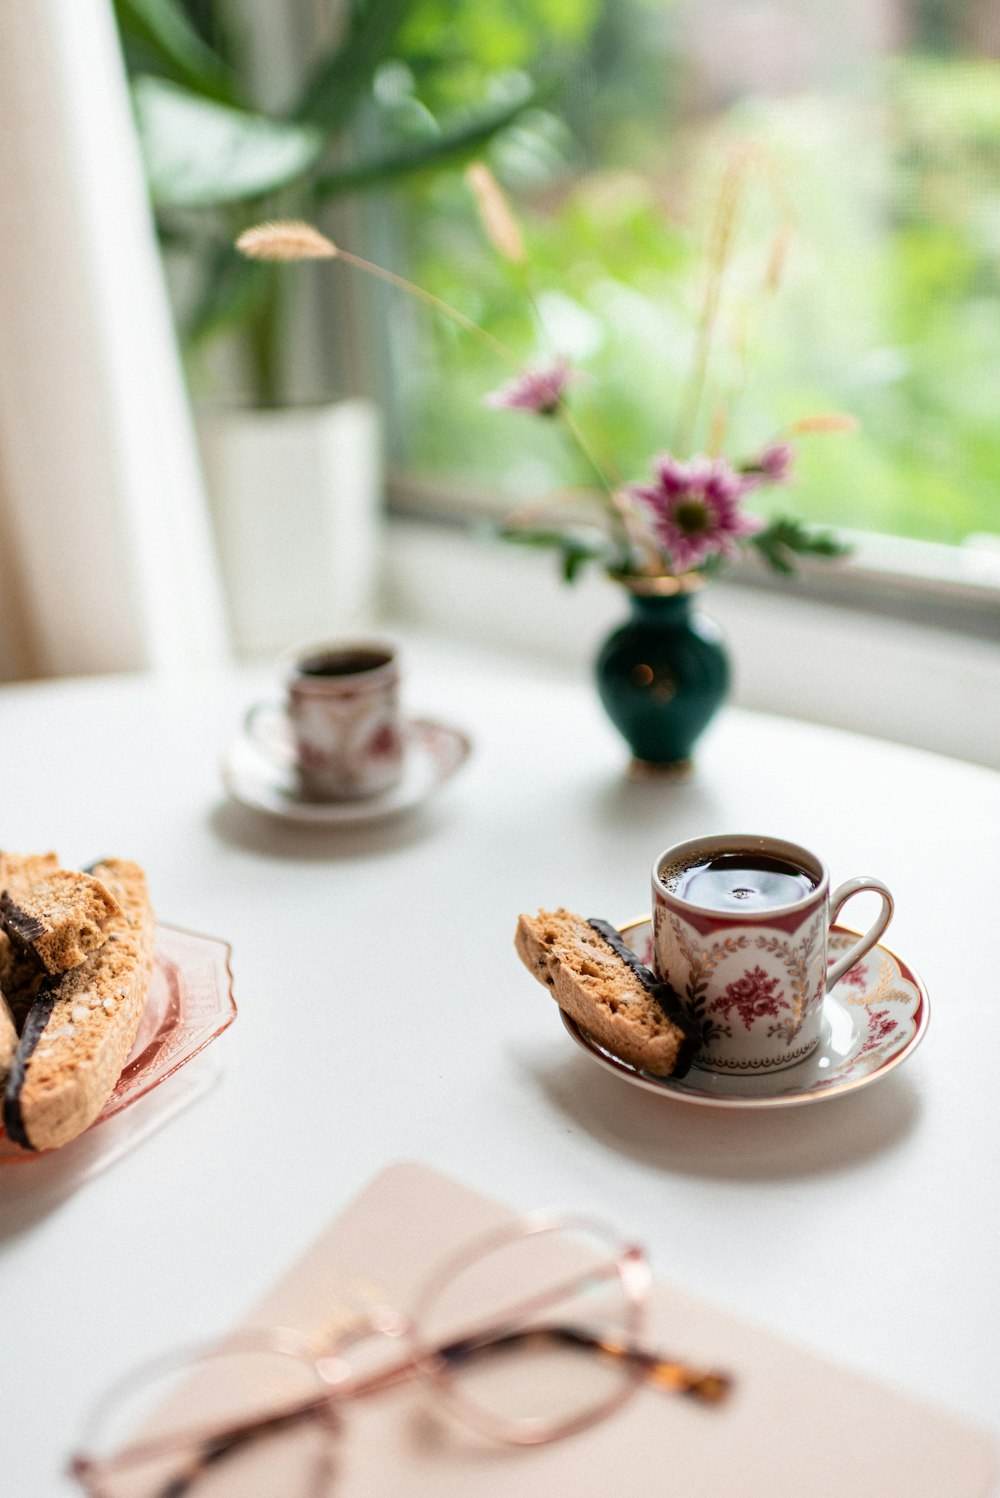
[106, 560]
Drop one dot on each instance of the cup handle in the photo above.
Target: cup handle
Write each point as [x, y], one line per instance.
[266, 724]
[864, 944]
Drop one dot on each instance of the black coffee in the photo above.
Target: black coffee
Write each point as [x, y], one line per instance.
[739, 881]
[348, 662]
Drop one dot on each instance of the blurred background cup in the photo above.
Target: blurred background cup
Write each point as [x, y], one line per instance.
[339, 727]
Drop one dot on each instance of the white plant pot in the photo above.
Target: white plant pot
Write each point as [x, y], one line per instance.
[296, 500]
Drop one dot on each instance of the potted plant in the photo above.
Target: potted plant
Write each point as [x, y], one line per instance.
[295, 484]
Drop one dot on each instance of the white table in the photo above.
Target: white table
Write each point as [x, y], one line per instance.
[383, 1015]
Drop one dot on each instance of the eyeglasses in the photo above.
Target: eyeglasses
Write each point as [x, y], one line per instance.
[528, 1334]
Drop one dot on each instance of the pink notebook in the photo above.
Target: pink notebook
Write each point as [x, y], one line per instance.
[795, 1427]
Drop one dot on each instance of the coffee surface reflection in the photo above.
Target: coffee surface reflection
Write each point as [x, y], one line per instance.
[739, 881]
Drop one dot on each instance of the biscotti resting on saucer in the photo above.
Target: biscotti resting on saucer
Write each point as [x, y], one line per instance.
[601, 984]
[83, 1023]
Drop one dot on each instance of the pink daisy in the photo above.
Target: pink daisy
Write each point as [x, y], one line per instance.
[773, 465]
[694, 509]
[538, 390]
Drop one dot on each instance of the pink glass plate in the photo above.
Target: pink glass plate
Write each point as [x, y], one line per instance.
[190, 1004]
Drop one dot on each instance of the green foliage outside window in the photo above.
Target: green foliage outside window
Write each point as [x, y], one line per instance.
[889, 187]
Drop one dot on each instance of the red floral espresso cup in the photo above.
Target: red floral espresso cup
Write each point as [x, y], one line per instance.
[740, 930]
[340, 728]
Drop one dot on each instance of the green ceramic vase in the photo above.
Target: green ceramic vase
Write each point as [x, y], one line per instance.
[662, 675]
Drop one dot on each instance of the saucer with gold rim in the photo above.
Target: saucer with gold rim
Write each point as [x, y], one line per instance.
[434, 752]
[873, 1019]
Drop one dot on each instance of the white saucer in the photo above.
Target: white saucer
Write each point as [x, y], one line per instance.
[873, 1019]
[434, 751]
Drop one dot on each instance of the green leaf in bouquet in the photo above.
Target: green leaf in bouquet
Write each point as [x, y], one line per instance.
[575, 548]
[784, 539]
[522, 535]
[575, 557]
[164, 31]
[199, 153]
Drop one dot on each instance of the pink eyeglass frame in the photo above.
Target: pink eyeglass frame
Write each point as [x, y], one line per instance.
[627, 1262]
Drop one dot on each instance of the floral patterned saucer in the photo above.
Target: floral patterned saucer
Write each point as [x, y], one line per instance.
[873, 1019]
[434, 751]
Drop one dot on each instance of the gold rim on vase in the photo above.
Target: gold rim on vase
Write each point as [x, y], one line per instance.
[661, 584]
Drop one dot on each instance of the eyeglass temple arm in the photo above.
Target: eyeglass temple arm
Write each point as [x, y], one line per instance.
[208, 1450]
[709, 1386]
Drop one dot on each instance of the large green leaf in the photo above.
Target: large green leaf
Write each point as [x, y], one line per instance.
[343, 76]
[233, 291]
[165, 32]
[199, 153]
[455, 143]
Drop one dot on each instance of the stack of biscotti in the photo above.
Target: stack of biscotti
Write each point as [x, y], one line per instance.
[19, 983]
[600, 983]
[75, 965]
[19, 977]
[8, 1025]
[60, 917]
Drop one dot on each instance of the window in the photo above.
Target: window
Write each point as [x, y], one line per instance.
[863, 278]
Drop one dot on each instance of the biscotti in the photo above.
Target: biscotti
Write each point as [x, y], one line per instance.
[8, 1036]
[61, 917]
[83, 1023]
[8, 1024]
[17, 869]
[17, 988]
[602, 985]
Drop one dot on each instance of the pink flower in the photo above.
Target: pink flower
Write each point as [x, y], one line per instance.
[538, 390]
[752, 996]
[695, 508]
[880, 1027]
[771, 466]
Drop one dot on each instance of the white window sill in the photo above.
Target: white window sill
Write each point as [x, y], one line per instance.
[935, 688]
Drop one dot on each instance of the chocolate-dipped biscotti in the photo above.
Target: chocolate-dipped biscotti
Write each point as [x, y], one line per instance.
[82, 1024]
[8, 1033]
[61, 917]
[602, 985]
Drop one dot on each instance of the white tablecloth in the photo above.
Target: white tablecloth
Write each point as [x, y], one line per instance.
[384, 1015]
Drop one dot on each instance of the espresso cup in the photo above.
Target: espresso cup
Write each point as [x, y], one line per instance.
[339, 727]
[740, 931]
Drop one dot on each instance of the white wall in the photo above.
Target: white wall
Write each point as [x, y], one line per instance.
[916, 685]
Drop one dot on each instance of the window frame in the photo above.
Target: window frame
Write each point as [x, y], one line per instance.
[904, 679]
[953, 588]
